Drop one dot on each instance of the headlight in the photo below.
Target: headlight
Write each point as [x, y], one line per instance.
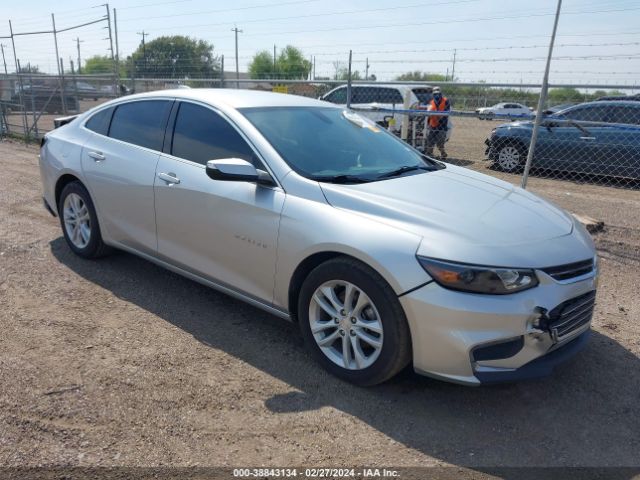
[479, 279]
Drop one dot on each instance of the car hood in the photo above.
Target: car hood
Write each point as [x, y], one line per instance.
[456, 207]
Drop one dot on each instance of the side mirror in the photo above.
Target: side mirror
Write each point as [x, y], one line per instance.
[237, 170]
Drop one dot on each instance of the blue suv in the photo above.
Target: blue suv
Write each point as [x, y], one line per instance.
[598, 138]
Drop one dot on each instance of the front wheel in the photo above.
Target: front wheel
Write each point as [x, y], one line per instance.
[510, 157]
[353, 323]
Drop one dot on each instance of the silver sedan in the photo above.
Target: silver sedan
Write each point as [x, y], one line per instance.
[384, 257]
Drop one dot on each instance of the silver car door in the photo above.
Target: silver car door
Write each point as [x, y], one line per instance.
[225, 231]
[120, 170]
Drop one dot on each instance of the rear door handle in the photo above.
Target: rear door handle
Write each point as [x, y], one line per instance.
[170, 178]
[97, 156]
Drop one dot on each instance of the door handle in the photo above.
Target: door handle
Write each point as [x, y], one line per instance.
[170, 178]
[97, 156]
[587, 138]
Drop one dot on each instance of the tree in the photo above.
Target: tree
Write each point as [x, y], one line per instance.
[343, 74]
[97, 64]
[262, 65]
[28, 68]
[174, 56]
[418, 76]
[290, 64]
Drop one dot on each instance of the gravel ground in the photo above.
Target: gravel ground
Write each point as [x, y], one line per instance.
[119, 362]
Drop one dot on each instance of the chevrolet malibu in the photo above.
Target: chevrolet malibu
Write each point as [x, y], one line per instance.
[384, 257]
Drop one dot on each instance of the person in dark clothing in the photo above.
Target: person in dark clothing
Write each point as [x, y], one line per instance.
[438, 124]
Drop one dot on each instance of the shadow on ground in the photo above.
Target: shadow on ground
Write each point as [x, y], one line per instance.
[586, 414]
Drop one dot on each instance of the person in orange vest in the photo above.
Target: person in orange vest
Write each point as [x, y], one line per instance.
[438, 124]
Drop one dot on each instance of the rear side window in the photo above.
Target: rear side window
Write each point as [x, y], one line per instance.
[200, 135]
[99, 122]
[141, 123]
[623, 114]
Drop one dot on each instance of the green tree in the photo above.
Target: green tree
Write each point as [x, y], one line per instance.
[97, 64]
[174, 56]
[418, 76]
[262, 65]
[290, 64]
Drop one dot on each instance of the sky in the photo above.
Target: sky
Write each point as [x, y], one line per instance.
[494, 40]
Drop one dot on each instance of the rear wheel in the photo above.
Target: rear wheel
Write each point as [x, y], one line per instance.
[79, 222]
[353, 322]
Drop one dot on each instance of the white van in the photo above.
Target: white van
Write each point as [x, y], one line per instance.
[388, 96]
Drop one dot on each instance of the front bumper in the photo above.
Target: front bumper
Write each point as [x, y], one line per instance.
[448, 328]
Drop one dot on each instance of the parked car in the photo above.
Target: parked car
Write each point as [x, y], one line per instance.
[503, 109]
[382, 256]
[84, 89]
[390, 97]
[43, 98]
[601, 138]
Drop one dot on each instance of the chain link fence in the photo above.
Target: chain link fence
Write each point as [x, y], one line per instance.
[480, 126]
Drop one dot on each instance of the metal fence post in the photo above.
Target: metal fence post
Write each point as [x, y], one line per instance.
[58, 62]
[222, 72]
[20, 85]
[541, 101]
[349, 82]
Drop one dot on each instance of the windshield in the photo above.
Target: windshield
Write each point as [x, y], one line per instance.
[328, 144]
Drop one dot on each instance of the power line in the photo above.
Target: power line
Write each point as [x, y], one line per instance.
[444, 21]
[312, 15]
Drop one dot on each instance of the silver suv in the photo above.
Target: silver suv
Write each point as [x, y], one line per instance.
[384, 257]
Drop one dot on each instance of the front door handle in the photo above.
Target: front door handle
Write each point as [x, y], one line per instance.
[588, 138]
[97, 156]
[170, 178]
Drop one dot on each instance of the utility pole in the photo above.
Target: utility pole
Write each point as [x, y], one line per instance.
[144, 49]
[453, 67]
[78, 42]
[274, 60]
[366, 71]
[314, 67]
[113, 60]
[115, 30]
[236, 30]
[3, 59]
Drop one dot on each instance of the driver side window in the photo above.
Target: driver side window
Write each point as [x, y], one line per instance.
[338, 96]
[200, 135]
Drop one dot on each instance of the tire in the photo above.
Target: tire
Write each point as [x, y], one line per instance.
[79, 222]
[374, 315]
[510, 157]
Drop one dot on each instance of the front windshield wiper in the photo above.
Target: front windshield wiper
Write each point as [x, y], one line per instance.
[406, 168]
[340, 179]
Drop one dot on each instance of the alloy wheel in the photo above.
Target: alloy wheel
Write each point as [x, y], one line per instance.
[509, 158]
[346, 325]
[77, 221]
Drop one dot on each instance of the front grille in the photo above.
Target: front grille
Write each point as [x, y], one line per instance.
[571, 315]
[570, 270]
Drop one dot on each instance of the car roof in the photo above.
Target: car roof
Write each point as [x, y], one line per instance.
[234, 98]
[600, 103]
[389, 85]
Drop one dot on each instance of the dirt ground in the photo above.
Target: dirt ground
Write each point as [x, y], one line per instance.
[119, 362]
